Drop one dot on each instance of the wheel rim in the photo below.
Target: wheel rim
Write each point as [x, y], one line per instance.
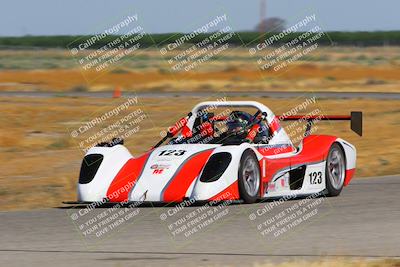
[251, 176]
[336, 168]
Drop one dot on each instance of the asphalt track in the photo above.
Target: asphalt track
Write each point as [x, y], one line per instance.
[272, 94]
[362, 222]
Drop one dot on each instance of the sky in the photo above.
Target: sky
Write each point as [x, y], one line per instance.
[73, 17]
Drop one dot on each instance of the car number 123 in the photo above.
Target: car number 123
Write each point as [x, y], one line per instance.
[172, 152]
[315, 177]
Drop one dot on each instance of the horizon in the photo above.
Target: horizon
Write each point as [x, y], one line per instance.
[47, 18]
[169, 33]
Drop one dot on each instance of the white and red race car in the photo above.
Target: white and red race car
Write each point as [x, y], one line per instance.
[232, 155]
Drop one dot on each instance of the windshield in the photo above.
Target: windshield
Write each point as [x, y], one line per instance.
[221, 129]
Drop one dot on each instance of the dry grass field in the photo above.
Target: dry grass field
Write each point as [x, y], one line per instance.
[373, 69]
[40, 161]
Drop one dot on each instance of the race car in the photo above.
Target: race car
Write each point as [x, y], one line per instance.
[231, 155]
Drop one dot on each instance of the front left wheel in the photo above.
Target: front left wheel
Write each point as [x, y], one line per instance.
[249, 177]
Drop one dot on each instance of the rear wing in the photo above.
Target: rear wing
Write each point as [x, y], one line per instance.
[355, 119]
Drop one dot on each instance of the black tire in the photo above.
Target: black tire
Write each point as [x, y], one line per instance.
[335, 186]
[245, 195]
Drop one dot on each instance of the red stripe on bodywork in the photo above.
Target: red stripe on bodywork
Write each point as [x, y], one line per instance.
[263, 172]
[315, 149]
[181, 182]
[126, 178]
[274, 126]
[269, 151]
[229, 193]
[349, 175]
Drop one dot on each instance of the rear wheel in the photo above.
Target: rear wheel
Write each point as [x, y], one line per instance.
[335, 170]
[249, 177]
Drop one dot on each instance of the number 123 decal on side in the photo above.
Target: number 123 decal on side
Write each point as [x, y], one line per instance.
[315, 177]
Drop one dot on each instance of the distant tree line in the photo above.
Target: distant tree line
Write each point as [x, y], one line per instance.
[377, 38]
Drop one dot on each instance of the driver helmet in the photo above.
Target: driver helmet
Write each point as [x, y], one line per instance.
[238, 121]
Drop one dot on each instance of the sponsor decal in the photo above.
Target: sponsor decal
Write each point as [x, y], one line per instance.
[159, 168]
[156, 171]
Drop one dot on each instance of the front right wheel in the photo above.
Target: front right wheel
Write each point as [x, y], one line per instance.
[249, 177]
[335, 170]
